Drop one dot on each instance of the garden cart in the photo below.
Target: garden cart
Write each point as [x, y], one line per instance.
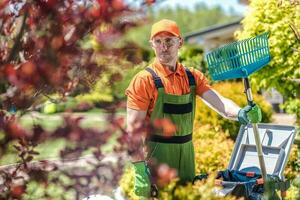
[242, 177]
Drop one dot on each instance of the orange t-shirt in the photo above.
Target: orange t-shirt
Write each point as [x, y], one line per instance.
[142, 93]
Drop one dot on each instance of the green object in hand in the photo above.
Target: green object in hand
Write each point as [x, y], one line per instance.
[250, 114]
[142, 184]
[254, 115]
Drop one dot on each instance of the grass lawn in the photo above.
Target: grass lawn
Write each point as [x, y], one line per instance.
[95, 118]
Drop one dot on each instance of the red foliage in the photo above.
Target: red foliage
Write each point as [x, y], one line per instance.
[46, 34]
[39, 48]
[166, 126]
[17, 191]
[165, 174]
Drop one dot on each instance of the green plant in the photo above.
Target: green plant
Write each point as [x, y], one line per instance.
[293, 165]
[212, 149]
[120, 86]
[282, 20]
[191, 55]
[295, 189]
[127, 182]
[235, 92]
[292, 106]
[200, 190]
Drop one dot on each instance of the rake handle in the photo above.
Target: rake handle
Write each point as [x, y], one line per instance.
[256, 132]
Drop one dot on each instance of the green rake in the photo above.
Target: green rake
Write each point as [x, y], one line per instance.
[239, 60]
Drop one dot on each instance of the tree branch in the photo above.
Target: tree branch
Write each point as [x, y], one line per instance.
[297, 50]
[295, 30]
[15, 48]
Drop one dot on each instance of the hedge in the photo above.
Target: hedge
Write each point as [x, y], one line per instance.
[211, 150]
[235, 92]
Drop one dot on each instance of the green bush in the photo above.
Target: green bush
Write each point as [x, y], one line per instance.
[293, 166]
[191, 55]
[120, 86]
[101, 91]
[277, 18]
[211, 150]
[235, 92]
[201, 190]
[67, 104]
[127, 182]
[212, 153]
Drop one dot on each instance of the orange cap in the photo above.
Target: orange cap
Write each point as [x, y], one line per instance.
[165, 25]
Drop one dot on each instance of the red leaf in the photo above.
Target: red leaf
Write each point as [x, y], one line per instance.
[10, 70]
[28, 69]
[15, 130]
[17, 191]
[118, 5]
[165, 174]
[149, 2]
[57, 42]
[95, 11]
[166, 125]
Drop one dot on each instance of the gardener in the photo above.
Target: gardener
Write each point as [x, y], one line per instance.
[167, 90]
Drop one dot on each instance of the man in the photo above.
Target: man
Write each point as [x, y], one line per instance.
[167, 90]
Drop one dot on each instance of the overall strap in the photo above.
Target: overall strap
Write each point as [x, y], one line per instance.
[157, 80]
[190, 77]
[171, 139]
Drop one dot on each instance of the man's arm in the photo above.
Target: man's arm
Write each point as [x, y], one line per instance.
[225, 107]
[135, 119]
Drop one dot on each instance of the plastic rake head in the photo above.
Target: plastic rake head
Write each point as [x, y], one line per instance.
[239, 59]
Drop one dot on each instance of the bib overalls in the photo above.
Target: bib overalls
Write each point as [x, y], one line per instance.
[176, 151]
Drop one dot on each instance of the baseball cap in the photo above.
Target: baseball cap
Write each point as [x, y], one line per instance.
[165, 25]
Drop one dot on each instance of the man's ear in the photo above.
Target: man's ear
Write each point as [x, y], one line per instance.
[180, 42]
[151, 44]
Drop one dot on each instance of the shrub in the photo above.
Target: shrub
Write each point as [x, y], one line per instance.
[293, 165]
[128, 74]
[211, 150]
[100, 91]
[233, 91]
[191, 55]
[127, 182]
[200, 190]
[281, 19]
[67, 104]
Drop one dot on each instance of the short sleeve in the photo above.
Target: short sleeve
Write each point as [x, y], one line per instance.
[139, 93]
[202, 84]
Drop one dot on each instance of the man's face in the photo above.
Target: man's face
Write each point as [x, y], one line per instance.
[166, 46]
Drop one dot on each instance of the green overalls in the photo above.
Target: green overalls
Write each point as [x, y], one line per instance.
[177, 151]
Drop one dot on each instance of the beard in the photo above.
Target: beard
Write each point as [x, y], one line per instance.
[165, 58]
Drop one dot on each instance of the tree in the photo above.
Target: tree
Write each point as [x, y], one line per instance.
[282, 20]
[188, 20]
[41, 53]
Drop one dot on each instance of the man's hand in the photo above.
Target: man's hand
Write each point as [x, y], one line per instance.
[142, 184]
[250, 114]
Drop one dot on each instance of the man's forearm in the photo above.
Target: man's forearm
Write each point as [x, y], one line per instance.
[224, 106]
[231, 109]
[135, 121]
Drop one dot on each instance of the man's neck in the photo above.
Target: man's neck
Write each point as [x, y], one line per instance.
[172, 67]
